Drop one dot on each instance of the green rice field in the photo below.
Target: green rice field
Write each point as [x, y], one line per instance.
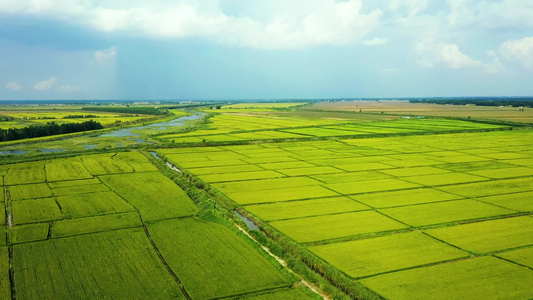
[375, 208]
[366, 206]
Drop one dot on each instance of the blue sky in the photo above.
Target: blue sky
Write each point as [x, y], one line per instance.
[264, 49]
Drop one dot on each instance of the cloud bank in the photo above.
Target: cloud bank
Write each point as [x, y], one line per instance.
[324, 22]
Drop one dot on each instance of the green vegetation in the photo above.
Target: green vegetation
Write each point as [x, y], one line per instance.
[478, 278]
[91, 204]
[488, 236]
[95, 224]
[362, 205]
[326, 227]
[521, 256]
[127, 109]
[35, 210]
[154, 195]
[29, 233]
[444, 212]
[5, 286]
[50, 128]
[367, 257]
[29, 191]
[136, 271]
[209, 255]
[307, 208]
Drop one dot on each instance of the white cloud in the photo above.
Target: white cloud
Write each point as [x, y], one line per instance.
[105, 55]
[375, 41]
[491, 14]
[434, 53]
[68, 88]
[320, 22]
[521, 50]
[411, 7]
[45, 84]
[12, 85]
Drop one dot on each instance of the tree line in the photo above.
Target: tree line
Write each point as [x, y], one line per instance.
[51, 128]
[128, 110]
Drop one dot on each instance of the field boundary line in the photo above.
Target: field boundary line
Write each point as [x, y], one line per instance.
[260, 292]
[282, 262]
[156, 249]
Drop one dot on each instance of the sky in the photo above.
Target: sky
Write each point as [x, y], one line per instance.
[264, 49]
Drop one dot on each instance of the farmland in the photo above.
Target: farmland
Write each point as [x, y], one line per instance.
[361, 204]
[443, 198]
[111, 225]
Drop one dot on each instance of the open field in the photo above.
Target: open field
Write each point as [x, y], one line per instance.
[374, 203]
[382, 206]
[88, 231]
[428, 109]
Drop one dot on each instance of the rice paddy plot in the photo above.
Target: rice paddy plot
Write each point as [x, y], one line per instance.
[327, 227]
[489, 188]
[28, 233]
[522, 256]
[370, 186]
[477, 278]
[281, 194]
[505, 155]
[29, 191]
[103, 165]
[463, 159]
[264, 184]
[306, 208]
[118, 264]
[285, 165]
[527, 162]
[443, 179]
[80, 189]
[368, 257]
[444, 212]
[402, 172]
[205, 164]
[212, 178]
[474, 166]
[224, 169]
[153, 194]
[66, 169]
[363, 167]
[270, 159]
[413, 162]
[488, 236]
[518, 201]
[350, 176]
[71, 227]
[5, 286]
[71, 183]
[24, 173]
[294, 293]
[91, 204]
[504, 173]
[35, 210]
[213, 261]
[310, 171]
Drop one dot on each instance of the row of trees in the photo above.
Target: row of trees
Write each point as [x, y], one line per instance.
[143, 110]
[480, 102]
[51, 128]
[80, 116]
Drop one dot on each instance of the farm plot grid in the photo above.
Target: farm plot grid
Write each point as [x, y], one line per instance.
[233, 127]
[377, 207]
[112, 226]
